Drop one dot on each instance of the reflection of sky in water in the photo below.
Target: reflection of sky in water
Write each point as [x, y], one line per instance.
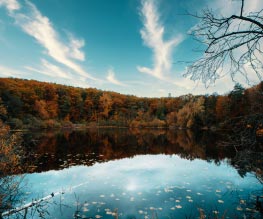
[147, 185]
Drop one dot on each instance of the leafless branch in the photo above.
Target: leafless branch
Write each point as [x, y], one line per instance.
[233, 45]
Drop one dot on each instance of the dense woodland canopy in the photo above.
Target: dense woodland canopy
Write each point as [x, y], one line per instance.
[33, 104]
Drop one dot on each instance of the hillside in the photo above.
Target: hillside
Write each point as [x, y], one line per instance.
[33, 104]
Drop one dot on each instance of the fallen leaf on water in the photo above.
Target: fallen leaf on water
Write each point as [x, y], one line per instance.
[242, 201]
[239, 208]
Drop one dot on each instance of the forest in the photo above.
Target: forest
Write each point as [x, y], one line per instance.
[30, 104]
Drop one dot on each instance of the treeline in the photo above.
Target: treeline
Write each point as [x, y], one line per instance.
[33, 104]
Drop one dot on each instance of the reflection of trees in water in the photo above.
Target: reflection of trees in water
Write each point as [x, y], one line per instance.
[53, 149]
[245, 140]
[249, 161]
[62, 149]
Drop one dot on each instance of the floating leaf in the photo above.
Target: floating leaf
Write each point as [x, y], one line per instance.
[239, 208]
[85, 209]
[242, 201]
[140, 212]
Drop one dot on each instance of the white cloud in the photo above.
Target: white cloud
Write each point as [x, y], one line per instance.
[10, 72]
[111, 78]
[76, 45]
[153, 37]
[227, 8]
[41, 29]
[50, 70]
[11, 5]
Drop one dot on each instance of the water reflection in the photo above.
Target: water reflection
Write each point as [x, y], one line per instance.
[110, 173]
[148, 185]
[52, 150]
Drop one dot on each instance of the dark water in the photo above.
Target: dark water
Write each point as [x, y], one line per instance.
[110, 173]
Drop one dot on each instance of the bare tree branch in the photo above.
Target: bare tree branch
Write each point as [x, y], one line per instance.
[233, 45]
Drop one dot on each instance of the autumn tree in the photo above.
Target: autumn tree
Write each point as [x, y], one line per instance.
[64, 105]
[10, 164]
[105, 104]
[87, 108]
[3, 111]
[171, 119]
[40, 107]
[192, 111]
[51, 98]
[255, 98]
[222, 108]
[233, 44]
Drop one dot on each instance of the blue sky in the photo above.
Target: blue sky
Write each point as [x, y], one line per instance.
[128, 46]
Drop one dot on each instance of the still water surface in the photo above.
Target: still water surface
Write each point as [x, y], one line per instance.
[138, 174]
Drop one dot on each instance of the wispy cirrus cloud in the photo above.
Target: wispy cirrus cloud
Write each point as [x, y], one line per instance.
[112, 79]
[11, 5]
[152, 34]
[42, 30]
[10, 72]
[50, 70]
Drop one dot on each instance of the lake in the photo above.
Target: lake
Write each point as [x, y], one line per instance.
[122, 173]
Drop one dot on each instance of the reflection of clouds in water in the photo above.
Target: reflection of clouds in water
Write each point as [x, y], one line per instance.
[143, 173]
[162, 182]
